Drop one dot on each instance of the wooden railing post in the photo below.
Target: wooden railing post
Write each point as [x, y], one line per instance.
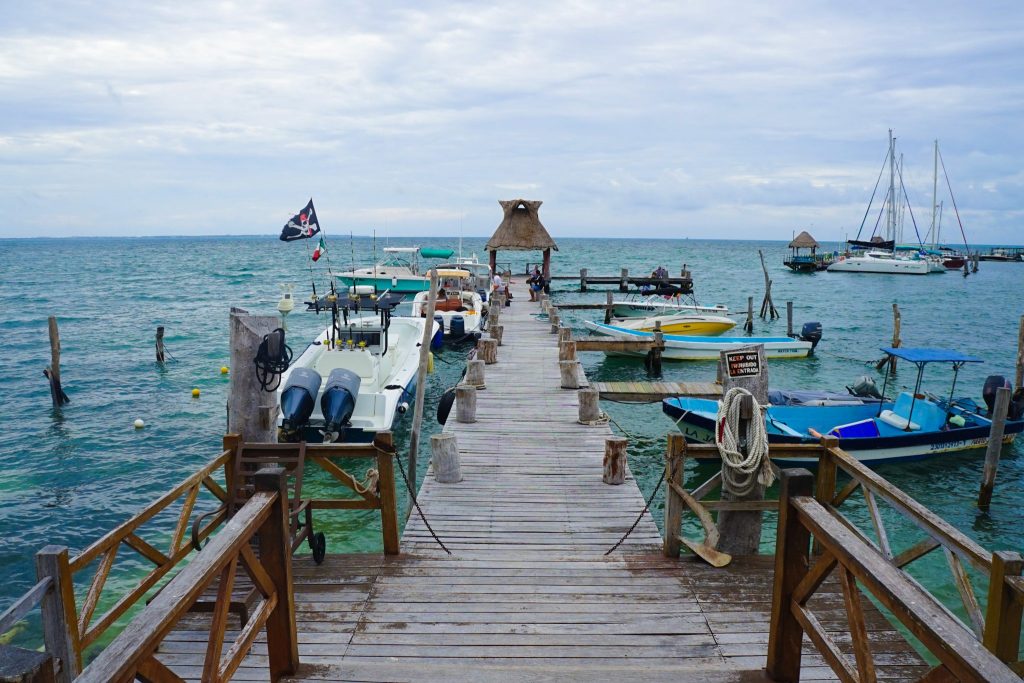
[384, 442]
[60, 622]
[825, 487]
[231, 443]
[675, 461]
[791, 563]
[276, 557]
[1002, 620]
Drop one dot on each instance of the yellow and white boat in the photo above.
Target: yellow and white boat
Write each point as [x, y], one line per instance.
[680, 323]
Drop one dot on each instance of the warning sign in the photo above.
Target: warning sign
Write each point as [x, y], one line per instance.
[743, 363]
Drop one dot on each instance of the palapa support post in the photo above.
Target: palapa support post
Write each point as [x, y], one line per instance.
[583, 279]
[252, 412]
[789, 318]
[615, 460]
[895, 341]
[1003, 616]
[569, 370]
[52, 373]
[995, 445]
[589, 405]
[792, 560]
[475, 374]
[749, 325]
[60, 619]
[487, 351]
[608, 298]
[465, 403]
[675, 461]
[496, 332]
[624, 280]
[767, 306]
[445, 457]
[421, 382]
[276, 557]
[385, 444]
[160, 344]
[746, 367]
[567, 350]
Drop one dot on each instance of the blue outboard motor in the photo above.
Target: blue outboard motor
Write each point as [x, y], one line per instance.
[993, 382]
[811, 332]
[338, 401]
[438, 339]
[298, 398]
[457, 327]
[483, 295]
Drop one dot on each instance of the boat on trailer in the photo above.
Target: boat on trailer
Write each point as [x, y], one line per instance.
[914, 426]
[357, 377]
[684, 347]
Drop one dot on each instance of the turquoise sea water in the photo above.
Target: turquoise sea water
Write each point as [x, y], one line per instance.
[67, 476]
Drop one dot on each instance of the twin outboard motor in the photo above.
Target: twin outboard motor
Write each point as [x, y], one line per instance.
[865, 387]
[299, 398]
[457, 327]
[438, 339]
[811, 332]
[338, 401]
[992, 383]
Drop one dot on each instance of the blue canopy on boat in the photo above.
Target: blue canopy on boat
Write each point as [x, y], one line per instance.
[931, 355]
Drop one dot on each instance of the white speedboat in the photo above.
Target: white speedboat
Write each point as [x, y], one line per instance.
[682, 347]
[459, 308]
[399, 271]
[680, 323]
[880, 262]
[357, 377]
[658, 305]
[479, 273]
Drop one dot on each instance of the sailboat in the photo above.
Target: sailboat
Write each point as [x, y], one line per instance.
[883, 257]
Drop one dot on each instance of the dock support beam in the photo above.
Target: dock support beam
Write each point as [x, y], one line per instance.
[995, 445]
[675, 460]
[252, 412]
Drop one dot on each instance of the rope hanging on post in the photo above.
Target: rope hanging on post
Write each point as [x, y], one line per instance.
[741, 473]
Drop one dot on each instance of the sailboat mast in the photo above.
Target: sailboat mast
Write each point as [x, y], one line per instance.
[935, 198]
[891, 217]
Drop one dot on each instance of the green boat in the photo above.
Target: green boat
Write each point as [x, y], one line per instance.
[399, 271]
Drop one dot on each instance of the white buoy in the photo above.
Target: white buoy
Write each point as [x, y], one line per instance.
[139, 424]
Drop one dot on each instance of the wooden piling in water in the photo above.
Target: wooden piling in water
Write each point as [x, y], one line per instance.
[160, 344]
[608, 298]
[767, 306]
[52, 373]
[995, 445]
[789, 318]
[624, 280]
[583, 279]
[896, 317]
[749, 325]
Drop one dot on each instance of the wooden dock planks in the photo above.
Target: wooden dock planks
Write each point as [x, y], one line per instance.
[528, 593]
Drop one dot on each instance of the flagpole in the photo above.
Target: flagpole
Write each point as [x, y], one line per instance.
[309, 260]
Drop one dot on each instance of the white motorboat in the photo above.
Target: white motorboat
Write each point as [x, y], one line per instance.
[459, 308]
[357, 377]
[399, 271]
[479, 273]
[682, 347]
[680, 323]
[880, 262]
[658, 305]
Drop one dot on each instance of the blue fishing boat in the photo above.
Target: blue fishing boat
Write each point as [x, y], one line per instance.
[916, 425]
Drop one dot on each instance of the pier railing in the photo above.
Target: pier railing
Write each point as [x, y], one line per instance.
[857, 565]
[265, 519]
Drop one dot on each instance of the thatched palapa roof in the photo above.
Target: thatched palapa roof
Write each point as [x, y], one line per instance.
[804, 241]
[521, 229]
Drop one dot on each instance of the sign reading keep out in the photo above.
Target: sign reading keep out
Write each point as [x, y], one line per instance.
[743, 363]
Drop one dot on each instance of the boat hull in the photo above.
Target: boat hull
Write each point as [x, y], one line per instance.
[859, 264]
[401, 285]
[681, 347]
[708, 326]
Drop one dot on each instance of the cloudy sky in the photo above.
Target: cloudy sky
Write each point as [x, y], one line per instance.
[687, 119]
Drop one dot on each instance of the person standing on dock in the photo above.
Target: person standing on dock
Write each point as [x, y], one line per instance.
[536, 283]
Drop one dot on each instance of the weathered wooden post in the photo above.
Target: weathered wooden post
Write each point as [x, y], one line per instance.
[496, 332]
[749, 325]
[624, 280]
[385, 444]
[487, 351]
[445, 456]
[895, 341]
[18, 665]
[789, 318]
[767, 306]
[567, 350]
[792, 559]
[583, 279]
[465, 403]
[747, 367]
[421, 383]
[52, 373]
[657, 347]
[608, 298]
[160, 344]
[569, 371]
[1003, 615]
[564, 334]
[475, 374]
[590, 406]
[1018, 378]
[615, 460]
[60, 621]
[675, 462]
[252, 412]
[276, 558]
[556, 322]
[995, 445]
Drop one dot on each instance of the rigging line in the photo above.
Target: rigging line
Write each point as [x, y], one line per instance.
[946, 176]
[870, 201]
[910, 209]
[309, 262]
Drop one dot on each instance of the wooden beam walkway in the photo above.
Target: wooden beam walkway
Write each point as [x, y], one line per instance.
[528, 593]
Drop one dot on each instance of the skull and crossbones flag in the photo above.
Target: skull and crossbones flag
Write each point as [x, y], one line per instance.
[303, 225]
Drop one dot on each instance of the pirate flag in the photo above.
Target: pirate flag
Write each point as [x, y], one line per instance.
[303, 225]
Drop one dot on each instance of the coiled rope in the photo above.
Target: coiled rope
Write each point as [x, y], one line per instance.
[742, 473]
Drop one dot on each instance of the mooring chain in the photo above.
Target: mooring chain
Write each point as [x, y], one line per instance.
[643, 512]
[412, 497]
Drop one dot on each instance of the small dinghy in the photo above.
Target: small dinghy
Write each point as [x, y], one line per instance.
[683, 347]
[357, 377]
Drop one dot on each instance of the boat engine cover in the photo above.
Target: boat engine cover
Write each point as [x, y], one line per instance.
[339, 399]
[865, 387]
[811, 332]
[993, 382]
[457, 326]
[299, 396]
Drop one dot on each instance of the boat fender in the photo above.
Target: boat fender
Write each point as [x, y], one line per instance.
[430, 363]
[444, 406]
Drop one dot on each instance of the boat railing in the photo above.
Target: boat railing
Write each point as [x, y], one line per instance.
[70, 624]
[839, 475]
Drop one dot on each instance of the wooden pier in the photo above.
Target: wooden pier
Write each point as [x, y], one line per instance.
[530, 590]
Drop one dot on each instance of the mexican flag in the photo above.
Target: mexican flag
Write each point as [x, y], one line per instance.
[320, 250]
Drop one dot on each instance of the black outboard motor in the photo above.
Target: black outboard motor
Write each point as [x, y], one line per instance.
[993, 382]
[1016, 404]
[457, 327]
[298, 399]
[338, 401]
[865, 387]
[811, 332]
